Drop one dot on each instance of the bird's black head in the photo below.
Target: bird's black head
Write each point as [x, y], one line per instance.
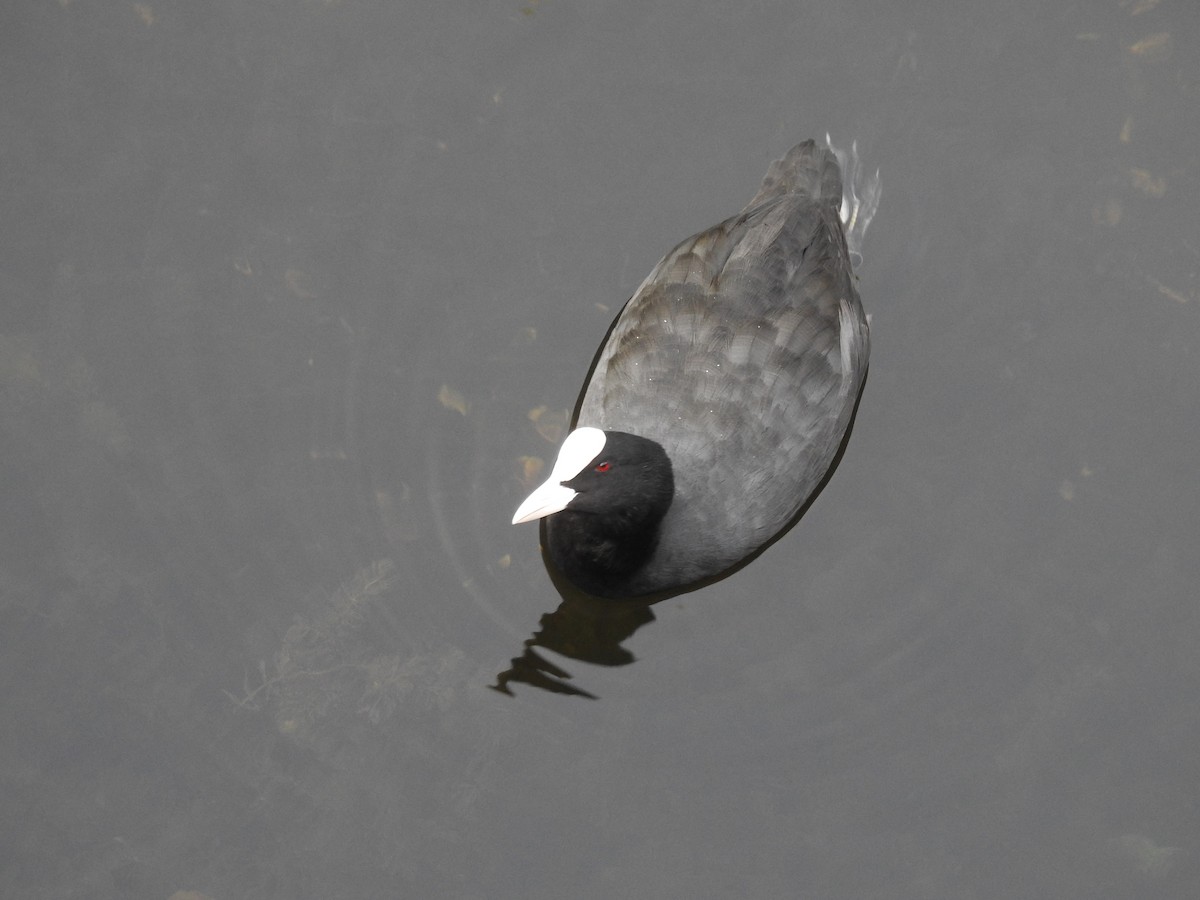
[603, 505]
[627, 486]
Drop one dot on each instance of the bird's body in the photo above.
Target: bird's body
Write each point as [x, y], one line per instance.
[742, 355]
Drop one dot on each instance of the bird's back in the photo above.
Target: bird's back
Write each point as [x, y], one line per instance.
[743, 354]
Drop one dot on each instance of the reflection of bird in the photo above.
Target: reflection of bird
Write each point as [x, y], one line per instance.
[722, 395]
[581, 628]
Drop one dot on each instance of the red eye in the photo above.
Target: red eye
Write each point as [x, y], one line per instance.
[604, 466]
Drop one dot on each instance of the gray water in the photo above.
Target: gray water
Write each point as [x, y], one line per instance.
[281, 284]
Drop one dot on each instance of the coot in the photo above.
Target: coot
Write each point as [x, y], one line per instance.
[722, 394]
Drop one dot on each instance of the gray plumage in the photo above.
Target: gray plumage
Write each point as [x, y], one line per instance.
[743, 354]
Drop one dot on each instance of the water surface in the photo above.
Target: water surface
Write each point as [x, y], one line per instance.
[294, 296]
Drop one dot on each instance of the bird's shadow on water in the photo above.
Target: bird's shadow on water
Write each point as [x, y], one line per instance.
[592, 629]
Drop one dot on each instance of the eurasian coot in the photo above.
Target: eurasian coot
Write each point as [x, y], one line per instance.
[724, 390]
